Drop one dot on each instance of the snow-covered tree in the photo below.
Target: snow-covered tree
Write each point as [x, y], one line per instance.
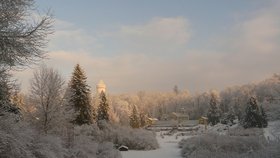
[263, 117]
[214, 113]
[122, 109]
[229, 116]
[237, 109]
[22, 42]
[254, 116]
[113, 116]
[103, 108]
[143, 119]
[46, 89]
[22, 37]
[134, 117]
[79, 99]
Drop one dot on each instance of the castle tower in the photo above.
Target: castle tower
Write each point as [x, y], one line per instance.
[101, 87]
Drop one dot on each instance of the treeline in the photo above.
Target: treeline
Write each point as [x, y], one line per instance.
[232, 100]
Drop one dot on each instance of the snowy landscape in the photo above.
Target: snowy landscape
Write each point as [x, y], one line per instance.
[139, 79]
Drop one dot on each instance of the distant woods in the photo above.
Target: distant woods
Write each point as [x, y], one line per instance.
[228, 104]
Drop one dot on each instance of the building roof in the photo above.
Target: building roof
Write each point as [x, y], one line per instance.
[165, 123]
[152, 119]
[172, 123]
[203, 117]
[180, 114]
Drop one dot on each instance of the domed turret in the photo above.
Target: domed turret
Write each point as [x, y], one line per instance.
[101, 87]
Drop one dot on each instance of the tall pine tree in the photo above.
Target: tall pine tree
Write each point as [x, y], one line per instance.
[134, 117]
[103, 108]
[214, 112]
[80, 97]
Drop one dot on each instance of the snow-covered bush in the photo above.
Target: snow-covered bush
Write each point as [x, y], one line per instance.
[90, 131]
[272, 111]
[84, 147]
[20, 140]
[88, 143]
[137, 139]
[15, 138]
[11, 147]
[48, 146]
[84, 143]
[105, 150]
[240, 131]
[222, 146]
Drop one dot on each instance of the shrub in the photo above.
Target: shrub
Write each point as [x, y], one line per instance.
[88, 143]
[20, 140]
[221, 146]
[273, 111]
[137, 139]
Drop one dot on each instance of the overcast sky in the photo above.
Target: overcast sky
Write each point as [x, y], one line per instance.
[155, 44]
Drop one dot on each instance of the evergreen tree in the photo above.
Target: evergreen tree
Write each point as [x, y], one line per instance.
[103, 108]
[228, 117]
[214, 113]
[237, 110]
[134, 118]
[263, 117]
[80, 97]
[254, 116]
[231, 114]
[93, 113]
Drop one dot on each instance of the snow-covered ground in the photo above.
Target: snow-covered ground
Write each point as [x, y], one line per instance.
[272, 131]
[168, 149]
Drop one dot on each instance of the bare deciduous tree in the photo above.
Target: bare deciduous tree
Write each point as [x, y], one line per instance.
[46, 95]
[22, 38]
[22, 41]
